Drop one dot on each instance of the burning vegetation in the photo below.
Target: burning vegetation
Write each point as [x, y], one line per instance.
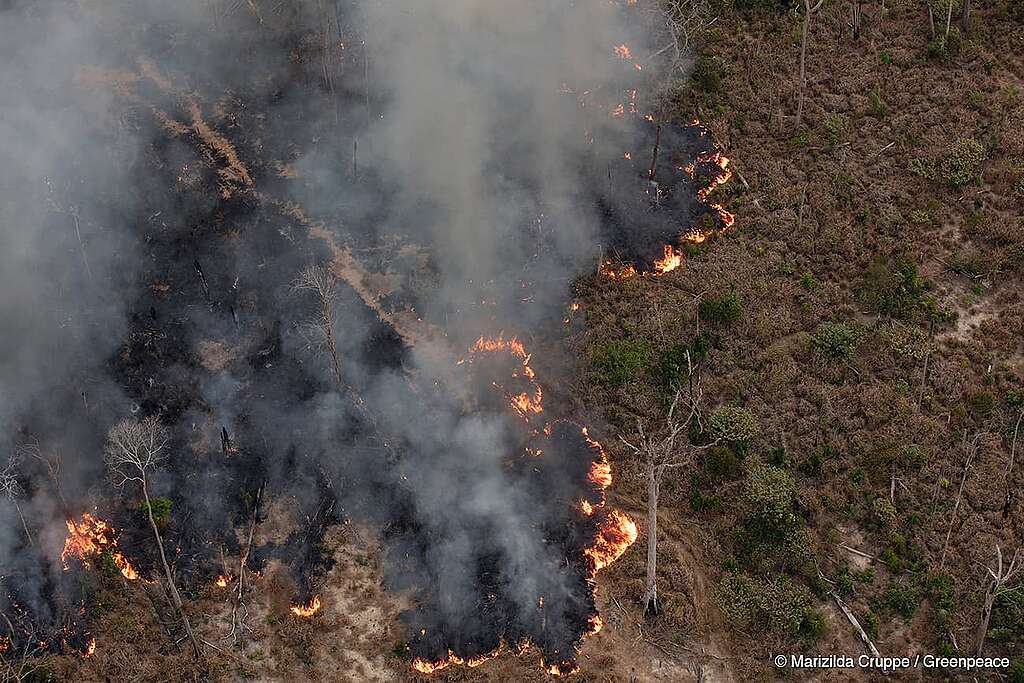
[291, 324]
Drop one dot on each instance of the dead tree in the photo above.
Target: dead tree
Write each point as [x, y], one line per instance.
[12, 490]
[808, 11]
[132, 452]
[998, 580]
[51, 461]
[1008, 495]
[667, 448]
[323, 283]
[970, 449]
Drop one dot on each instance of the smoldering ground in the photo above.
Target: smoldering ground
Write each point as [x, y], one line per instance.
[148, 268]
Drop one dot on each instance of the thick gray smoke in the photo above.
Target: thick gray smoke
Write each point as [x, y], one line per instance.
[148, 256]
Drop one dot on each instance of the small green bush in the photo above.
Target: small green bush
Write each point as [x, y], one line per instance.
[775, 604]
[962, 163]
[706, 76]
[904, 598]
[836, 341]
[770, 492]
[878, 106]
[672, 367]
[721, 310]
[835, 125]
[161, 508]
[884, 512]
[734, 425]
[893, 289]
[621, 360]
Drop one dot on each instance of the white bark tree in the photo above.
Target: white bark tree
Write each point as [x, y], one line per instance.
[999, 577]
[666, 448]
[323, 284]
[133, 451]
[12, 490]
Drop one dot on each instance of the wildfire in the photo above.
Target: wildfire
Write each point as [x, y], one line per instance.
[308, 609]
[425, 666]
[613, 539]
[91, 537]
[221, 582]
[670, 260]
[524, 403]
[613, 531]
[90, 648]
[622, 51]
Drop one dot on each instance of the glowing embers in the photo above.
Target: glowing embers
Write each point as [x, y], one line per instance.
[526, 397]
[308, 609]
[616, 534]
[221, 582]
[712, 164]
[90, 538]
[586, 535]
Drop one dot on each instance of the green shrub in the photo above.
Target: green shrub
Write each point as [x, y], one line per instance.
[884, 512]
[878, 106]
[944, 48]
[893, 289]
[672, 367]
[836, 341]
[720, 310]
[981, 402]
[807, 281]
[734, 425]
[904, 598]
[775, 604]
[161, 508]
[905, 340]
[721, 462]
[400, 649]
[621, 360]
[1015, 674]
[962, 163]
[1008, 615]
[706, 76]
[770, 492]
[835, 125]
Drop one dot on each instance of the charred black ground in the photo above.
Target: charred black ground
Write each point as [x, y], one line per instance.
[201, 251]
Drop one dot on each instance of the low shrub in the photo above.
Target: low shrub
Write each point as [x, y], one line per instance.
[621, 360]
[962, 163]
[734, 425]
[720, 310]
[836, 341]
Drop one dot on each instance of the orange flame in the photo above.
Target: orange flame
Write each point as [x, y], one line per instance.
[221, 582]
[309, 609]
[91, 537]
[613, 539]
[622, 51]
[670, 260]
[90, 648]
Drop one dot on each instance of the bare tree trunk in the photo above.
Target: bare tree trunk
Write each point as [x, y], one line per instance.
[986, 614]
[949, 20]
[172, 587]
[965, 15]
[650, 598]
[332, 348]
[803, 62]
[23, 525]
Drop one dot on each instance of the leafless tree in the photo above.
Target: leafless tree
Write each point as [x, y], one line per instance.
[50, 460]
[999, 578]
[808, 11]
[133, 451]
[970, 449]
[12, 490]
[323, 283]
[663, 449]
[1007, 497]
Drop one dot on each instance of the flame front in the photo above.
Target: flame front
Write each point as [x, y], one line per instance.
[91, 537]
[614, 538]
[614, 532]
[221, 582]
[307, 610]
[90, 648]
